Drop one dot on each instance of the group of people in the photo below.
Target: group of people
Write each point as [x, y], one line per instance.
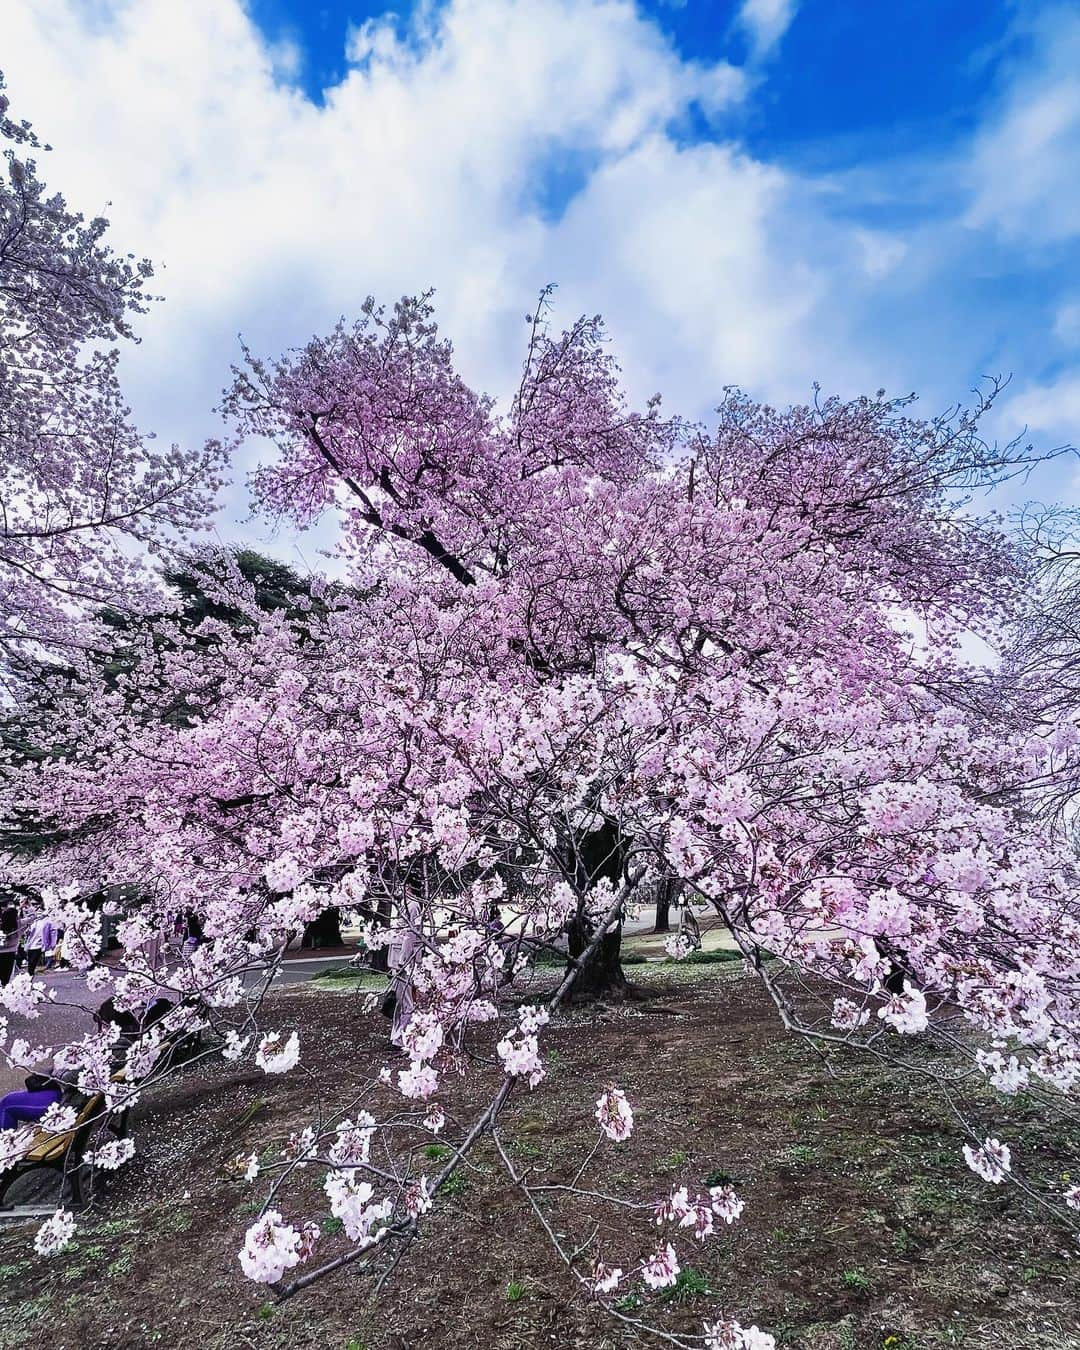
[34, 941]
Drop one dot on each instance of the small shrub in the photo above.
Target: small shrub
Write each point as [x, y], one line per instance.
[703, 958]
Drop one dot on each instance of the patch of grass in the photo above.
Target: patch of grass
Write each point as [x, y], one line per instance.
[689, 1283]
[123, 1264]
[903, 1243]
[857, 1281]
[521, 1148]
[515, 1291]
[179, 1221]
[332, 1225]
[347, 980]
[355, 1343]
[674, 1160]
[456, 1184]
[112, 1228]
[436, 1152]
[718, 1177]
[265, 1312]
[629, 1303]
[799, 1154]
[715, 957]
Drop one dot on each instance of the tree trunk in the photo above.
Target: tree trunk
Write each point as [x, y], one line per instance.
[379, 959]
[597, 855]
[325, 931]
[663, 909]
[603, 977]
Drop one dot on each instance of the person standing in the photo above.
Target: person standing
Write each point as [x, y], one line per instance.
[40, 939]
[10, 936]
[404, 942]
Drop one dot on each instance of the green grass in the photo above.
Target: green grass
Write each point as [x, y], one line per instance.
[675, 1159]
[123, 1265]
[515, 1291]
[348, 979]
[717, 956]
[801, 1155]
[455, 1184]
[689, 1284]
[857, 1281]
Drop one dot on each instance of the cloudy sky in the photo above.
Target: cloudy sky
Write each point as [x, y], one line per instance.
[762, 192]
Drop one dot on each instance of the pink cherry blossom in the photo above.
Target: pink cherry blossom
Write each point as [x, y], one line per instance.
[271, 1247]
[55, 1233]
[661, 1270]
[992, 1161]
[614, 1114]
[276, 1054]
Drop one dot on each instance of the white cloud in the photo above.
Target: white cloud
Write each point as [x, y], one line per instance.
[426, 165]
[1052, 408]
[1025, 170]
[765, 22]
[431, 163]
[1067, 323]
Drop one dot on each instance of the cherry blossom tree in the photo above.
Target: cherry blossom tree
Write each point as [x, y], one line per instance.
[1039, 678]
[584, 651]
[82, 494]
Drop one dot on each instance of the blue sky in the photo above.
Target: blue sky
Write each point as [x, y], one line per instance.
[846, 73]
[764, 193]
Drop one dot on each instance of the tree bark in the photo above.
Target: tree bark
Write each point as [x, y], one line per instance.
[603, 975]
[325, 931]
[378, 914]
[598, 855]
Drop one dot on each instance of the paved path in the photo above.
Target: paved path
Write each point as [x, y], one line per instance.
[72, 1014]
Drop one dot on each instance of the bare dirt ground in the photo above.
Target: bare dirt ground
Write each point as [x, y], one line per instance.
[863, 1227]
